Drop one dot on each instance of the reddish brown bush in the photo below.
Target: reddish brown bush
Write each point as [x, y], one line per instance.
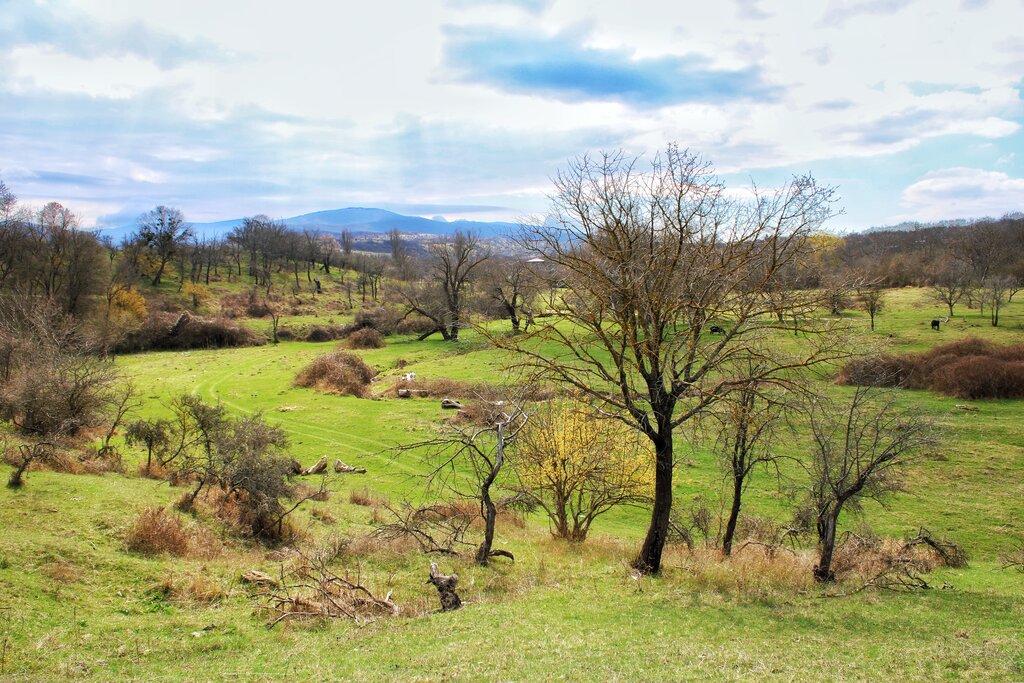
[286, 334]
[338, 373]
[161, 331]
[155, 532]
[380, 318]
[366, 338]
[878, 371]
[971, 368]
[415, 324]
[322, 333]
[977, 377]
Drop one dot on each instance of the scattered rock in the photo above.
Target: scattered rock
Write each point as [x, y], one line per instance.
[342, 468]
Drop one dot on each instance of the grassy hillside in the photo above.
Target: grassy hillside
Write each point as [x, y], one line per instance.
[74, 603]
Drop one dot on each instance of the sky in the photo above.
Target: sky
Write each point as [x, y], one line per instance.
[464, 109]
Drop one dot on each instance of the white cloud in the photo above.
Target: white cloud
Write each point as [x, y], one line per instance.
[962, 193]
[348, 100]
[47, 68]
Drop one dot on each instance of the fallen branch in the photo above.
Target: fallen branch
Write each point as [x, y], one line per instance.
[312, 590]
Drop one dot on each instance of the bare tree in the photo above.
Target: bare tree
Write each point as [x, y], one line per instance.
[950, 285]
[647, 264]
[481, 451]
[345, 239]
[165, 231]
[858, 452]
[871, 298]
[997, 288]
[746, 424]
[401, 259]
[442, 297]
[508, 287]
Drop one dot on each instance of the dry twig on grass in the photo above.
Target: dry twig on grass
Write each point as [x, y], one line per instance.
[310, 589]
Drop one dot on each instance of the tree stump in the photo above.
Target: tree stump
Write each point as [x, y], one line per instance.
[319, 468]
[342, 468]
[445, 588]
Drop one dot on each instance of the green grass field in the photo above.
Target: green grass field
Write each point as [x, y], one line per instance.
[75, 604]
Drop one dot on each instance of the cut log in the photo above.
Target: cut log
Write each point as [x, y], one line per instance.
[342, 468]
[296, 466]
[961, 406]
[450, 404]
[319, 468]
[183, 320]
[445, 588]
[259, 578]
[404, 393]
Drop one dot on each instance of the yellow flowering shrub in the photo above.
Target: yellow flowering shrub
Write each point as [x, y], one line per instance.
[577, 466]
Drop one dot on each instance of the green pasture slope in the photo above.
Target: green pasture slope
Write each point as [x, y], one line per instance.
[74, 604]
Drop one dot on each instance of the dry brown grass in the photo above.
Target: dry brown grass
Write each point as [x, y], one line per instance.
[323, 516]
[154, 471]
[193, 588]
[156, 532]
[60, 570]
[337, 372]
[366, 499]
[751, 570]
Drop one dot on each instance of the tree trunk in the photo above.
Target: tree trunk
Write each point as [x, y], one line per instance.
[734, 514]
[827, 541]
[649, 559]
[483, 553]
[159, 272]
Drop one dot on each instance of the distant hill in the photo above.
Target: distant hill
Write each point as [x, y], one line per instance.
[356, 219]
[908, 226]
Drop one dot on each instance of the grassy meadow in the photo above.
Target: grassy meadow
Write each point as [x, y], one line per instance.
[75, 604]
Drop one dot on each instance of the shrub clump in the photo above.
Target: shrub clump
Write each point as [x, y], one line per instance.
[415, 324]
[971, 368]
[170, 332]
[337, 372]
[322, 333]
[157, 532]
[380, 318]
[366, 338]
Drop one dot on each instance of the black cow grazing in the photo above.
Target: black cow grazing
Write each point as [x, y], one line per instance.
[935, 324]
[715, 329]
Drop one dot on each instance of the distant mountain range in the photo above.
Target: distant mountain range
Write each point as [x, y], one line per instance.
[356, 219]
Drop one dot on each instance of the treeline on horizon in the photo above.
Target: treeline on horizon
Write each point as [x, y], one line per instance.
[44, 252]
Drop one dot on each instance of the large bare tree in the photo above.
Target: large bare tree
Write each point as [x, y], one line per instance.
[858, 452]
[165, 232]
[441, 297]
[649, 264]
